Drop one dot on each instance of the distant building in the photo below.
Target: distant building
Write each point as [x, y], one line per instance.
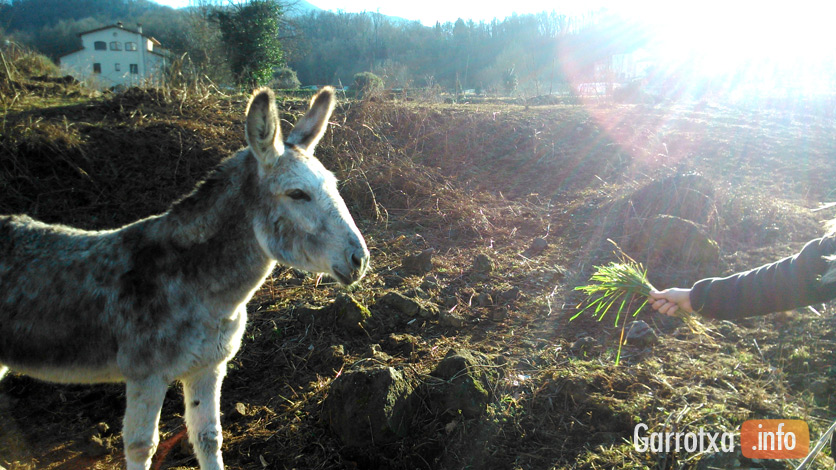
[629, 66]
[114, 55]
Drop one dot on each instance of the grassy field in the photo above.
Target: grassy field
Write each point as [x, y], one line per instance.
[464, 179]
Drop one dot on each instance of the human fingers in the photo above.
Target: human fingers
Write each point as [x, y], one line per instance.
[658, 303]
[655, 294]
[669, 309]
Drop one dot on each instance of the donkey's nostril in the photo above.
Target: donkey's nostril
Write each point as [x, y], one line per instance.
[357, 260]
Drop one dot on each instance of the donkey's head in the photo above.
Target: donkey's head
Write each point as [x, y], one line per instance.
[302, 221]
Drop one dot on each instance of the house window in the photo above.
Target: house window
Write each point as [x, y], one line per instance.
[100, 46]
[115, 46]
[118, 67]
[97, 68]
[130, 46]
[134, 69]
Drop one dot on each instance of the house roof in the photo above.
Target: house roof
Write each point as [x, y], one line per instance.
[157, 43]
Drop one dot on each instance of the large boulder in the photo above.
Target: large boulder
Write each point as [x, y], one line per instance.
[670, 225]
[688, 196]
[671, 237]
[371, 406]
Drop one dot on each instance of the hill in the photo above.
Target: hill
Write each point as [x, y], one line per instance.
[302, 7]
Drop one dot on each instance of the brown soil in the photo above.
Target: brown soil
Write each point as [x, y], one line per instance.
[464, 180]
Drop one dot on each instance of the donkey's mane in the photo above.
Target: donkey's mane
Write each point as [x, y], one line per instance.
[217, 201]
[204, 235]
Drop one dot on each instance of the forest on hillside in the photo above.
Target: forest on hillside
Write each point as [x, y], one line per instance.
[525, 52]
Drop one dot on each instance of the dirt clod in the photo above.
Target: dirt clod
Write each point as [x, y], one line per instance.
[420, 263]
[408, 306]
[499, 314]
[509, 296]
[377, 354]
[333, 356]
[238, 411]
[392, 281]
[403, 343]
[401, 303]
[371, 406]
[483, 300]
[583, 343]
[451, 319]
[466, 380]
[538, 245]
[99, 441]
[483, 264]
[350, 314]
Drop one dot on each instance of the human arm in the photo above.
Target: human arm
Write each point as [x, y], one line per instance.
[790, 283]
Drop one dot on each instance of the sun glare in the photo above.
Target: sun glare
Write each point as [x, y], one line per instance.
[743, 47]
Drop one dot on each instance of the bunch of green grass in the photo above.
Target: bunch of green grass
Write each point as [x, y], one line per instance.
[622, 283]
[625, 281]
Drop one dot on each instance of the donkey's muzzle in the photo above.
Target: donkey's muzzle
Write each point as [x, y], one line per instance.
[356, 264]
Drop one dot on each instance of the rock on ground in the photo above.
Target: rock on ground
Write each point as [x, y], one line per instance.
[639, 333]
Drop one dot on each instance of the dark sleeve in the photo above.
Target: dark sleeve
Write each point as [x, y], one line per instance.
[784, 285]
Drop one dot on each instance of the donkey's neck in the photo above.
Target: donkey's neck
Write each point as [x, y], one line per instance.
[223, 190]
[209, 233]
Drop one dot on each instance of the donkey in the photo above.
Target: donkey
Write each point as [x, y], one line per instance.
[164, 298]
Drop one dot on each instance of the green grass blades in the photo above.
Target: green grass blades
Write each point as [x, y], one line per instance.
[625, 280]
[616, 283]
[623, 283]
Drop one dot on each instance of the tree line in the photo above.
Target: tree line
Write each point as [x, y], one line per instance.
[537, 51]
[221, 41]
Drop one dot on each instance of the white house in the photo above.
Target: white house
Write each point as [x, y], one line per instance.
[114, 55]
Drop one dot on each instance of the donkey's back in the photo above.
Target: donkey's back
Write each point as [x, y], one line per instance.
[82, 306]
[58, 302]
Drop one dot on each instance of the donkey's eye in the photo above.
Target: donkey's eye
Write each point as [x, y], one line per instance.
[298, 195]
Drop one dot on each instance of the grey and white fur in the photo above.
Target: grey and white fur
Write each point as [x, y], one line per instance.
[163, 299]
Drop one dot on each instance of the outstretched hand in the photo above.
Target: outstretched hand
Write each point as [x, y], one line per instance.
[669, 301]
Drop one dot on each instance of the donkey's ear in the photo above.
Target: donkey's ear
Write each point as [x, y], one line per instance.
[311, 127]
[263, 132]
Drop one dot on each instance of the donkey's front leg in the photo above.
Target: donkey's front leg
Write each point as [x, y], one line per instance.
[142, 416]
[202, 396]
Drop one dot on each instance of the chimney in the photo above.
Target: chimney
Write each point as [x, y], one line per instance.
[139, 28]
